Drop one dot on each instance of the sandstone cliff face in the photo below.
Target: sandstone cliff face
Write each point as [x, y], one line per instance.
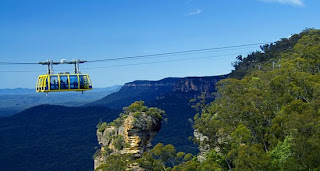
[188, 87]
[188, 84]
[131, 134]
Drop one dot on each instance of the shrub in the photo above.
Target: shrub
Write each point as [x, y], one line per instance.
[102, 127]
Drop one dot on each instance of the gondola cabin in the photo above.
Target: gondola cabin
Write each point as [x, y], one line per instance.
[63, 82]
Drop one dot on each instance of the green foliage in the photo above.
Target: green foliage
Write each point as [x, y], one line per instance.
[180, 155]
[251, 158]
[269, 118]
[137, 109]
[214, 161]
[117, 122]
[256, 60]
[280, 155]
[118, 142]
[166, 154]
[155, 112]
[137, 114]
[165, 158]
[187, 157]
[115, 162]
[126, 145]
[102, 127]
[137, 106]
[242, 135]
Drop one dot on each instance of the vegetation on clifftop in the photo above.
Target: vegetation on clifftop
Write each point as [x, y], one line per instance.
[269, 119]
[137, 108]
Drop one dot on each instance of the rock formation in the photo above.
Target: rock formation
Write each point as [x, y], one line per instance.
[130, 134]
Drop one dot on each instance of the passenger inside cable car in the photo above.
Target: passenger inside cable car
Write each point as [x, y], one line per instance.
[83, 82]
[64, 82]
[54, 83]
[73, 82]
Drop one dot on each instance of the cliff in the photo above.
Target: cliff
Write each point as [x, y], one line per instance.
[172, 95]
[188, 88]
[130, 134]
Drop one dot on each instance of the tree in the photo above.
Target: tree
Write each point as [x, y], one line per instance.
[254, 115]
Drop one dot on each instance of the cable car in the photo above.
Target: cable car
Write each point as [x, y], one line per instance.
[61, 82]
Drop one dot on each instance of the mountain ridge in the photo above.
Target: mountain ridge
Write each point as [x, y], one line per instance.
[144, 90]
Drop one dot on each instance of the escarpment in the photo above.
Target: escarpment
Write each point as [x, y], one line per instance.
[152, 91]
[130, 134]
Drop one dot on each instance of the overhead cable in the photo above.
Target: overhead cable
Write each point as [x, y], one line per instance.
[174, 60]
[150, 55]
[143, 63]
[178, 52]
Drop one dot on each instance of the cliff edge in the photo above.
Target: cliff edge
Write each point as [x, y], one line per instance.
[130, 134]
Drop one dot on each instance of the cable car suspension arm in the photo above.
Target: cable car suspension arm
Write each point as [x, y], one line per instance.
[63, 61]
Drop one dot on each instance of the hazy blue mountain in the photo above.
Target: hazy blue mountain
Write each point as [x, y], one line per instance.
[15, 100]
[50, 137]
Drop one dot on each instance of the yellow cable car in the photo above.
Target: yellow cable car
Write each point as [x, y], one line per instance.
[63, 81]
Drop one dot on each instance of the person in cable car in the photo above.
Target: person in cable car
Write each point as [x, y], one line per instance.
[81, 83]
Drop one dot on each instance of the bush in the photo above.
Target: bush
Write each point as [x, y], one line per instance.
[102, 126]
[118, 142]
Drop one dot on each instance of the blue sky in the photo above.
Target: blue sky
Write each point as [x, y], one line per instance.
[33, 31]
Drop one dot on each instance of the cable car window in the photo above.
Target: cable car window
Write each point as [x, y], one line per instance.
[73, 82]
[64, 82]
[39, 83]
[89, 81]
[83, 82]
[54, 83]
[46, 84]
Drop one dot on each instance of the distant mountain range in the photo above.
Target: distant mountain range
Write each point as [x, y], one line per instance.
[150, 91]
[50, 137]
[13, 101]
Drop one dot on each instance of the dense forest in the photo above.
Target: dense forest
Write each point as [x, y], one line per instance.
[266, 115]
[269, 119]
[49, 137]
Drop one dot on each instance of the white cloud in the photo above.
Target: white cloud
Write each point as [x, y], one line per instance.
[196, 12]
[290, 2]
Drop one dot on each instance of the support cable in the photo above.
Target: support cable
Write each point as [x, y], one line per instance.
[150, 55]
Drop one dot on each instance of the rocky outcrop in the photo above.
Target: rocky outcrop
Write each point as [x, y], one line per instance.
[130, 134]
